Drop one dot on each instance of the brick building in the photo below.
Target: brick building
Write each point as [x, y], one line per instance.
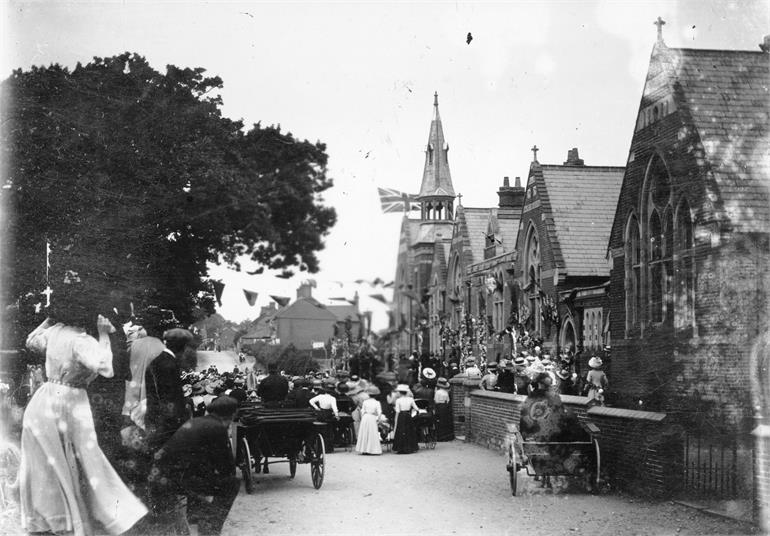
[562, 270]
[421, 242]
[690, 251]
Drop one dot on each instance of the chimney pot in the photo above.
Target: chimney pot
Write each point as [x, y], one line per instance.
[506, 182]
[765, 45]
[573, 159]
[517, 184]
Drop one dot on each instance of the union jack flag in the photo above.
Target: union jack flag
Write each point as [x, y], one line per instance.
[394, 201]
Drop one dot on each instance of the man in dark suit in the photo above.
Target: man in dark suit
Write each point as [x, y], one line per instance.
[273, 389]
[197, 464]
[165, 402]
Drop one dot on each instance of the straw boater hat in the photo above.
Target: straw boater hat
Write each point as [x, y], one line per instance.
[492, 366]
[520, 361]
[595, 362]
[429, 373]
[402, 388]
[443, 383]
[530, 358]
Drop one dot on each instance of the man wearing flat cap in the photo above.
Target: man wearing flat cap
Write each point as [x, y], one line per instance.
[165, 401]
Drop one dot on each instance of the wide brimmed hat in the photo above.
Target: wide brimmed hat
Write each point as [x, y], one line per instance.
[429, 373]
[595, 362]
[519, 361]
[198, 389]
[546, 361]
[443, 383]
[373, 390]
[317, 383]
[343, 387]
[492, 366]
[530, 358]
[402, 388]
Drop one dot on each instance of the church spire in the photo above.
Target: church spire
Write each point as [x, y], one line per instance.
[436, 192]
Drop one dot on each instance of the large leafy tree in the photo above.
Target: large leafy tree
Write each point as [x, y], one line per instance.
[137, 181]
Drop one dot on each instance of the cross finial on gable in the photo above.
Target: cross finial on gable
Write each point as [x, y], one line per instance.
[659, 23]
[459, 199]
[534, 152]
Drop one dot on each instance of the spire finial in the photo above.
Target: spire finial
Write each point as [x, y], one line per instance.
[435, 98]
[659, 23]
[534, 152]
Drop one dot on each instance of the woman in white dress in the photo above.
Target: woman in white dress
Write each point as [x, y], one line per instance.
[66, 482]
[368, 431]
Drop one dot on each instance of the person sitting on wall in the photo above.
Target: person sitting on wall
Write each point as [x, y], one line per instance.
[489, 380]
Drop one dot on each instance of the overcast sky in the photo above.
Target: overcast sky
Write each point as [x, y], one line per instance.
[360, 78]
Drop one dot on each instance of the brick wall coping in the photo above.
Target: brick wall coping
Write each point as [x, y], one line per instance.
[566, 399]
[763, 430]
[622, 413]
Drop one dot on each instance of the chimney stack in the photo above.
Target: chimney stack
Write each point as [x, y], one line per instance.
[573, 159]
[765, 45]
[305, 290]
[511, 200]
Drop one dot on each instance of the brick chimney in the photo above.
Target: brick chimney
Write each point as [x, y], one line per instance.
[305, 290]
[511, 200]
[573, 159]
[268, 309]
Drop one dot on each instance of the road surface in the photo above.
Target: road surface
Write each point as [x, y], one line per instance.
[457, 488]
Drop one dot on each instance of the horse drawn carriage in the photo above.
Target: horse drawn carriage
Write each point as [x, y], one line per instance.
[294, 436]
[551, 441]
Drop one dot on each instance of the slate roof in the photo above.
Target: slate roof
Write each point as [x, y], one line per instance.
[509, 230]
[306, 308]
[727, 93]
[476, 220]
[342, 312]
[582, 200]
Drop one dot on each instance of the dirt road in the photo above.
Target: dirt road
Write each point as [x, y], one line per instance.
[457, 488]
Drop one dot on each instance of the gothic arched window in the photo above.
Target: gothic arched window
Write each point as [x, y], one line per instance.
[633, 272]
[685, 267]
[657, 235]
[534, 269]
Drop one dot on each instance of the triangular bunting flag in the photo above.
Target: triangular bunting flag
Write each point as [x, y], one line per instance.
[379, 297]
[219, 287]
[282, 301]
[251, 297]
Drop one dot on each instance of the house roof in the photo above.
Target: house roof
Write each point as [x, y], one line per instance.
[727, 94]
[307, 309]
[476, 220]
[342, 312]
[582, 201]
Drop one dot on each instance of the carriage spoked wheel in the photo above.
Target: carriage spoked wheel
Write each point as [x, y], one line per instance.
[317, 460]
[246, 463]
[512, 468]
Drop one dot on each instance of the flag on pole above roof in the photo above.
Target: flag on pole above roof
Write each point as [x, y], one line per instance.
[394, 201]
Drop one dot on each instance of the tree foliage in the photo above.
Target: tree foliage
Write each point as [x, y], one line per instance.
[138, 181]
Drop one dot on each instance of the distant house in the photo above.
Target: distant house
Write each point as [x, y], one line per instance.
[262, 329]
[305, 321]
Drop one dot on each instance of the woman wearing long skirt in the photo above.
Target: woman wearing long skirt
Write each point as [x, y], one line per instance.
[405, 439]
[368, 431]
[444, 426]
[67, 484]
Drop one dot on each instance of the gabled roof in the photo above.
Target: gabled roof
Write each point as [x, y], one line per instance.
[727, 95]
[476, 220]
[582, 202]
[307, 309]
[436, 179]
[342, 312]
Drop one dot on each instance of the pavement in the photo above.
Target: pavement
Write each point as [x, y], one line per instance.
[458, 488]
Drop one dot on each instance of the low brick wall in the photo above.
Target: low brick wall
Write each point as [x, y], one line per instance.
[640, 451]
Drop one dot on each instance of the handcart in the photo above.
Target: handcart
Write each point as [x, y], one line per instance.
[294, 435]
[542, 456]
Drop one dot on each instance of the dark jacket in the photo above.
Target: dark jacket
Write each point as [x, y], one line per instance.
[198, 458]
[274, 388]
[165, 402]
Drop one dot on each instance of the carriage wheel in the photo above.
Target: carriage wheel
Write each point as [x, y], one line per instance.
[292, 466]
[513, 468]
[317, 461]
[346, 437]
[598, 464]
[246, 465]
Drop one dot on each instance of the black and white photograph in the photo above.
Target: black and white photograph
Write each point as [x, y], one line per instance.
[388, 268]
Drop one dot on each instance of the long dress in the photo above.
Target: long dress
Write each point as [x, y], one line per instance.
[405, 438]
[445, 430]
[368, 431]
[66, 482]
